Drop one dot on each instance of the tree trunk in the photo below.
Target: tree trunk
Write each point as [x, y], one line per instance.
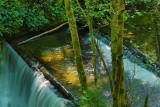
[156, 31]
[120, 68]
[90, 25]
[105, 66]
[117, 27]
[114, 37]
[75, 43]
[146, 102]
[158, 48]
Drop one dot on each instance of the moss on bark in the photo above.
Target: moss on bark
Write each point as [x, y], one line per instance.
[90, 25]
[117, 29]
[75, 43]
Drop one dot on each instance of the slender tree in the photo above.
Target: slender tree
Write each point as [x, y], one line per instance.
[146, 101]
[158, 47]
[156, 28]
[90, 25]
[117, 8]
[75, 43]
[95, 45]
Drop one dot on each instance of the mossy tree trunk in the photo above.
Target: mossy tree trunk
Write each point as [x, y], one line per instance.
[158, 48]
[157, 33]
[90, 25]
[75, 43]
[146, 102]
[156, 29]
[114, 37]
[117, 27]
[105, 66]
[120, 68]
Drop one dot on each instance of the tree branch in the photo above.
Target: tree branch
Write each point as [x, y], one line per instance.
[49, 31]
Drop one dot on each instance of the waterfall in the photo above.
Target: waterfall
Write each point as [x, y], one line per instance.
[20, 86]
[145, 80]
[132, 65]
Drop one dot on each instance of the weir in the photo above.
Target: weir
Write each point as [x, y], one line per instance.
[134, 55]
[132, 65]
[20, 86]
[139, 75]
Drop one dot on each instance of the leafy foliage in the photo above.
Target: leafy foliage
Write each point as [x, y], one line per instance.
[92, 98]
[35, 20]
[99, 12]
[19, 15]
[57, 12]
[11, 17]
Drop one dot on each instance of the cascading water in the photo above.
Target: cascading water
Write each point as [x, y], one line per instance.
[142, 80]
[20, 86]
[130, 65]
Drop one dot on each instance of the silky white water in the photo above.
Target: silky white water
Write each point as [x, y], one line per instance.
[141, 80]
[134, 69]
[20, 86]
